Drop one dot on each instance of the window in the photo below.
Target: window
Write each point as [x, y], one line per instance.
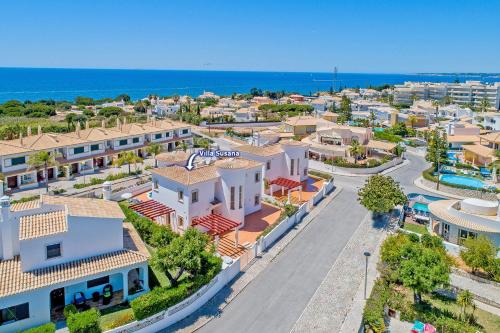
[298, 167]
[464, 234]
[305, 154]
[167, 134]
[78, 150]
[135, 140]
[18, 160]
[123, 142]
[14, 313]
[194, 196]
[240, 204]
[231, 202]
[185, 131]
[268, 165]
[291, 166]
[53, 250]
[257, 177]
[158, 136]
[98, 282]
[305, 172]
[27, 178]
[256, 200]
[180, 196]
[94, 147]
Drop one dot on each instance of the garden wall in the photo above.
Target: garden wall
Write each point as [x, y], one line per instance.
[183, 309]
[370, 171]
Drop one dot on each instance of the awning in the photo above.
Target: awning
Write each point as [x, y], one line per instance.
[284, 182]
[375, 144]
[216, 224]
[151, 209]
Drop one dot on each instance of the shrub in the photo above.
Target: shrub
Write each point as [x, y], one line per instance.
[373, 313]
[290, 209]
[46, 328]
[69, 310]
[84, 322]
[26, 199]
[157, 300]
[120, 320]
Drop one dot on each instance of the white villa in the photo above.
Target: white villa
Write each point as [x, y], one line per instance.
[457, 220]
[215, 198]
[59, 250]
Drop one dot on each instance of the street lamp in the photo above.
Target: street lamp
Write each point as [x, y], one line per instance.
[367, 255]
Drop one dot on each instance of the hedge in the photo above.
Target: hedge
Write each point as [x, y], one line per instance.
[84, 322]
[162, 298]
[97, 181]
[373, 313]
[46, 328]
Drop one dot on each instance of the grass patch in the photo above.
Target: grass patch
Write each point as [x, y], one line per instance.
[419, 229]
[158, 275]
[116, 316]
[320, 174]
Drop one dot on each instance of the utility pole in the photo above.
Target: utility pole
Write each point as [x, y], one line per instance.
[438, 157]
[367, 255]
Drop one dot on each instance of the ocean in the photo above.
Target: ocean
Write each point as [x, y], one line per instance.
[66, 84]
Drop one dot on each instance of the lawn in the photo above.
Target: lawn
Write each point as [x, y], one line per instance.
[419, 229]
[115, 316]
[489, 321]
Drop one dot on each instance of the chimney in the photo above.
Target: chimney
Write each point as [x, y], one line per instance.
[6, 229]
[87, 125]
[77, 128]
[39, 130]
[103, 123]
[29, 131]
[106, 190]
[21, 138]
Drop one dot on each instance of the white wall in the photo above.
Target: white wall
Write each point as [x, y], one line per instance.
[130, 144]
[39, 309]
[252, 188]
[86, 236]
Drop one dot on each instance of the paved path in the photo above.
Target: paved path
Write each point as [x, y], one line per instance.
[484, 290]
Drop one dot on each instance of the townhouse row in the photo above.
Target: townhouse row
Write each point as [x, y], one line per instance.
[84, 150]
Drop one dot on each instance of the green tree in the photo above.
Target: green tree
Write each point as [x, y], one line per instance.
[183, 146]
[484, 105]
[345, 110]
[70, 119]
[465, 299]
[182, 254]
[412, 119]
[381, 194]
[140, 107]
[423, 269]
[355, 150]
[81, 100]
[154, 149]
[123, 97]
[372, 118]
[128, 158]
[88, 113]
[110, 111]
[478, 252]
[437, 149]
[43, 160]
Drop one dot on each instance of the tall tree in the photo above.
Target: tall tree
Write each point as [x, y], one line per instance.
[345, 110]
[154, 149]
[465, 299]
[43, 160]
[484, 105]
[478, 252]
[128, 158]
[355, 150]
[437, 149]
[381, 194]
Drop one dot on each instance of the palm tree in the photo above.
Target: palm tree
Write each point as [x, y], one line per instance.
[355, 150]
[413, 120]
[128, 158]
[435, 103]
[154, 149]
[484, 105]
[183, 146]
[465, 299]
[372, 118]
[43, 160]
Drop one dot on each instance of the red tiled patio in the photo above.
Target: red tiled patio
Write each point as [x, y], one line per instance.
[310, 187]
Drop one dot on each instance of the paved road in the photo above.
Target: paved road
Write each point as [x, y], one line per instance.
[276, 298]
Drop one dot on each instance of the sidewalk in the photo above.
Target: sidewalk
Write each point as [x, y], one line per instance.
[337, 305]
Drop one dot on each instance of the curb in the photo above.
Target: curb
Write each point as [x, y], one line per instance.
[418, 183]
[278, 247]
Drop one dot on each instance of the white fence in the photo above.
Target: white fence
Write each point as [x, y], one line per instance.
[183, 309]
[285, 225]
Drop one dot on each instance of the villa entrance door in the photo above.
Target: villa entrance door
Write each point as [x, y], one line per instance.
[57, 299]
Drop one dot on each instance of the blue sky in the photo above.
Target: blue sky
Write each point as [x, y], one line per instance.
[357, 36]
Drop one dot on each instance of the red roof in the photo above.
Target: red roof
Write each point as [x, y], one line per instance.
[288, 183]
[215, 223]
[151, 209]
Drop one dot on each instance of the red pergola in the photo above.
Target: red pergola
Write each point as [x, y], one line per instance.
[284, 182]
[216, 224]
[151, 209]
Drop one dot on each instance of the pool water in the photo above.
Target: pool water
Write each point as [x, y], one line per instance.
[464, 181]
[452, 156]
[421, 207]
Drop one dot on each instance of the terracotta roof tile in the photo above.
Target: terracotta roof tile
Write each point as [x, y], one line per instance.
[40, 225]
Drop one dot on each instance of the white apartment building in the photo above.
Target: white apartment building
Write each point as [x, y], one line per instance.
[59, 250]
[488, 120]
[473, 92]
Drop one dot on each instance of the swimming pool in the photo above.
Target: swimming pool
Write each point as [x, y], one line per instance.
[464, 181]
[453, 156]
